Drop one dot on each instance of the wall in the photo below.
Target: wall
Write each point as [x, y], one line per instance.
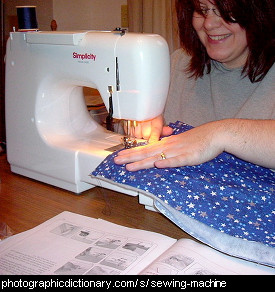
[87, 14]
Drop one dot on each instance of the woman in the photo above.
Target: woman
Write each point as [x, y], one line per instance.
[222, 83]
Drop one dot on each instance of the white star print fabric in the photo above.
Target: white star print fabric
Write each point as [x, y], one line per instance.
[227, 194]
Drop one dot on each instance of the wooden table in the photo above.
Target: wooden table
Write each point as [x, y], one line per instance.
[25, 203]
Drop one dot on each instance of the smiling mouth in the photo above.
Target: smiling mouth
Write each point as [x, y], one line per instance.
[218, 37]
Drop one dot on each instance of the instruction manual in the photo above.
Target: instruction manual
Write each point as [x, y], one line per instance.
[72, 244]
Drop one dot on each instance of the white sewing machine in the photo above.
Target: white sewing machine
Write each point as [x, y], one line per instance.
[51, 137]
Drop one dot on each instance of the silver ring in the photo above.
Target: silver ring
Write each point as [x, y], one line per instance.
[162, 155]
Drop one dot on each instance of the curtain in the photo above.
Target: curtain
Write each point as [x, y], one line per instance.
[154, 16]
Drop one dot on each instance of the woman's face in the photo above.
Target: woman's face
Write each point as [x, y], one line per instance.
[224, 42]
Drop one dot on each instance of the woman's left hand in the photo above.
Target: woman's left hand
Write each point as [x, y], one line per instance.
[192, 147]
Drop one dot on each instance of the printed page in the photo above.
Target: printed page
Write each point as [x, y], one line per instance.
[71, 244]
[187, 257]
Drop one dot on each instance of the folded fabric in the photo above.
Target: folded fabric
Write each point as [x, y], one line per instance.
[226, 194]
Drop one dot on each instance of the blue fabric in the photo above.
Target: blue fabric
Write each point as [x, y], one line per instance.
[228, 194]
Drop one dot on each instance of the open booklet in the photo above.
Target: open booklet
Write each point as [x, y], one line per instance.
[72, 244]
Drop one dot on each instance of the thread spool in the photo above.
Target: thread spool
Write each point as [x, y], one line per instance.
[26, 18]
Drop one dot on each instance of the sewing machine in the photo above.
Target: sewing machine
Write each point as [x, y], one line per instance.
[51, 137]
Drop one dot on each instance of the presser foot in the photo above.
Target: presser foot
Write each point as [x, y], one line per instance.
[126, 143]
[129, 142]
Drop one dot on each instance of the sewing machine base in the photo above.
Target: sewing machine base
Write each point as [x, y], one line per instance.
[82, 186]
[76, 188]
[82, 157]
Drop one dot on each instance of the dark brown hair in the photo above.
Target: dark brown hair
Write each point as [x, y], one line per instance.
[255, 16]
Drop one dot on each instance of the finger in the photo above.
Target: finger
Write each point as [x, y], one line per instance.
[167, 131]
[157, 132]
[138, 131]
[132, 155]
[168, 162]
[185, 159]
[139, 153]
[156, 129]
[143, 164]
[155, 135]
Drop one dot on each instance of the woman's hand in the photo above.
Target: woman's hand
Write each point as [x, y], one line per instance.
[193, 147]
[250, 140]
[152, 130]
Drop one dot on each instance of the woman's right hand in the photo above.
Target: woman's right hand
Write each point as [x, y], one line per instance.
[152, 130]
